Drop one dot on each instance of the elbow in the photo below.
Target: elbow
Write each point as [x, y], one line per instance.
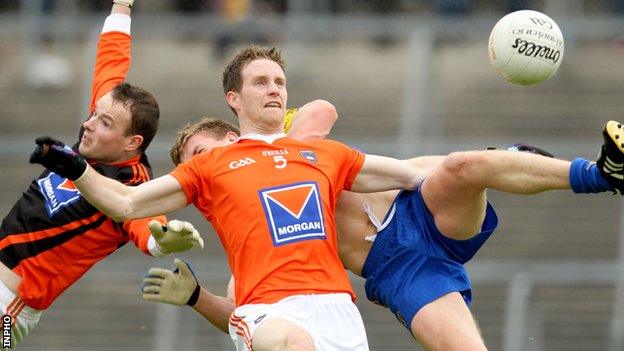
[324, 113]
[120, 214]
[326, 110]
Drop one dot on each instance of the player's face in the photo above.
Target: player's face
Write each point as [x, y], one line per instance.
[263, 96]
[104, 138]
[201, 142]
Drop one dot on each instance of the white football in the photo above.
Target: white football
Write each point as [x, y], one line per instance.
[526, 47]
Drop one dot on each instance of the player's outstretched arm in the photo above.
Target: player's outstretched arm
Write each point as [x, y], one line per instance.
[424, 164]
[118, 201]
[313, 120]
[180, 287]
[381, 173]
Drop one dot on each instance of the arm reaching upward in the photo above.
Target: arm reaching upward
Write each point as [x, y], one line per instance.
[113, 57]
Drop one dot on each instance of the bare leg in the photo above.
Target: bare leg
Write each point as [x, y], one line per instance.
[277, 334]
[446, 324]
[455, 191]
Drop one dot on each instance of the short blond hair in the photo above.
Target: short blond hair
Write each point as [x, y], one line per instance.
[216, 127]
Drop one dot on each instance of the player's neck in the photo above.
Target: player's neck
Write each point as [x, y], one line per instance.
[260, 127]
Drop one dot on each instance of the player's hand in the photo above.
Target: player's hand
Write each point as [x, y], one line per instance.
[178, 287]
[58, 158]
[176, 236]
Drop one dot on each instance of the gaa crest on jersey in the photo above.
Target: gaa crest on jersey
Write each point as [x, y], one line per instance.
[308, 155]
[58, 192]
[293, 212]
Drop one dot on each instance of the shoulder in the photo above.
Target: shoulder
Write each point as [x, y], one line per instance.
[325, 144]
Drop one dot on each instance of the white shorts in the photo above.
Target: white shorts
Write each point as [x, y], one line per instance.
[332, 320]
[14, 312]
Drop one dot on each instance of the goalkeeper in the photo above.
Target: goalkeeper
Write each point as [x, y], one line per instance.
[52, 235]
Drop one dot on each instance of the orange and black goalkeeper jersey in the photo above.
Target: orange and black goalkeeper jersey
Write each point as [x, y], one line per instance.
[52, 235]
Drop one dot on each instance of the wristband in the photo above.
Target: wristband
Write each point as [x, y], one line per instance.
[194, 296]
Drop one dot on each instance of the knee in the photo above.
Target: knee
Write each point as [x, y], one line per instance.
[466, 167]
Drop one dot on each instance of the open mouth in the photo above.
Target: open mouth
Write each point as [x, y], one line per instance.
[273, 104]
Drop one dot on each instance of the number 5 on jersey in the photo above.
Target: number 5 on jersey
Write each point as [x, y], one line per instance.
[280, 162]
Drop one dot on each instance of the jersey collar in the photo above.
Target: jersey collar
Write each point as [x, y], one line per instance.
[132, 161]
[269, 139]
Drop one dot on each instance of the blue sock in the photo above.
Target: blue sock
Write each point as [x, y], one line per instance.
[586, 178]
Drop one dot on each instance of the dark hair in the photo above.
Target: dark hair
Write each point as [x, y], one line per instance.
[144, 111]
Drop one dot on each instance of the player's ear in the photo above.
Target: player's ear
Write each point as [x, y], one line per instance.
[134, 142]
[232, 99]
[231, 136]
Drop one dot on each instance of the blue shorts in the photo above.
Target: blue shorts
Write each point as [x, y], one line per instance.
[411, 263]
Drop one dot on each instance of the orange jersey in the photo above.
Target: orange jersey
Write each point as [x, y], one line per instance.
[52, 235]
[272, 206]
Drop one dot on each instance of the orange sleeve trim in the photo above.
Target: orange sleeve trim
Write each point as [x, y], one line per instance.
[144, 174]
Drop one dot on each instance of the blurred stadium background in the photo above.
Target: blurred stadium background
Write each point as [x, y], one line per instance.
[408, 77]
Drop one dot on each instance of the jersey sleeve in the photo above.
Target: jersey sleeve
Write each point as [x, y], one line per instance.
[112, 64]
[189, 174]
[139, 233]
[349, 163]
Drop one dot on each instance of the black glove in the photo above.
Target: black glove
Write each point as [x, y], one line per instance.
[58, 158]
